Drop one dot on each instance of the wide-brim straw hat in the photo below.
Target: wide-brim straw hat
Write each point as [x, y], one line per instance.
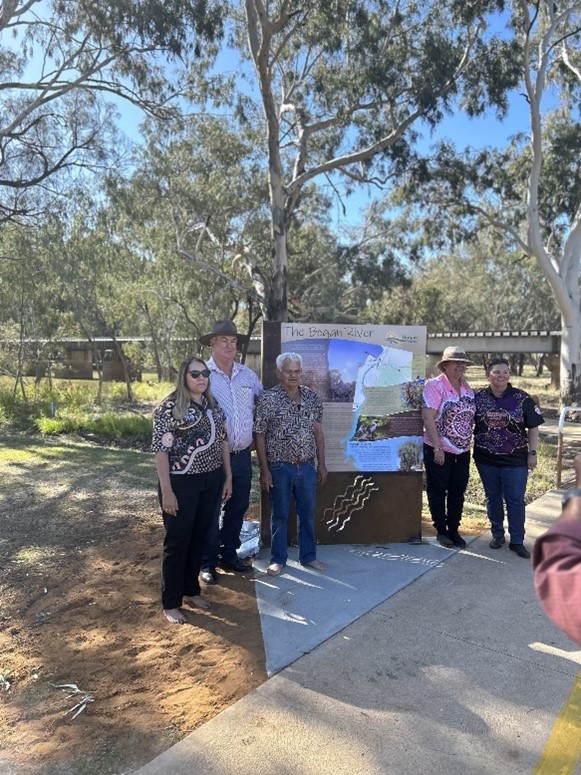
[453, 354]
[223, 328]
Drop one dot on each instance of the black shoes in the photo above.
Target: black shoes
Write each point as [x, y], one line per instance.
[456, 539]
[521, 550]
[209, 576]
[236, 565]
[452, 538]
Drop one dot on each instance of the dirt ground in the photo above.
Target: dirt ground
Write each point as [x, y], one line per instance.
[79, 604]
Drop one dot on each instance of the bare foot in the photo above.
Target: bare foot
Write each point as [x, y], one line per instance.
[274, 569]
[174, 616]
[316, 565]
[197, 601]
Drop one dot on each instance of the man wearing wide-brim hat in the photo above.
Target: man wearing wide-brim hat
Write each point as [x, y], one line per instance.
[236, 388]
[223, 328]
[448, 413]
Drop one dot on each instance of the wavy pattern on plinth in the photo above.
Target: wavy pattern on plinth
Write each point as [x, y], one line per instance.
[346, 504]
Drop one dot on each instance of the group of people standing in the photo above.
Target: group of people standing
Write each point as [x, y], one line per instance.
[504, 423]
[202, 439]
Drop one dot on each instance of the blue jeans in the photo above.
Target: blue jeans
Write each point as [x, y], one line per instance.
[298, 482]
[505, 484]
[222, 542]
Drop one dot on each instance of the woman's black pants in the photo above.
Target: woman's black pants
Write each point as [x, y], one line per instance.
[197, 496]
[445, 487]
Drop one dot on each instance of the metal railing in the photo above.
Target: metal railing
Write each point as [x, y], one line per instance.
[564, 412]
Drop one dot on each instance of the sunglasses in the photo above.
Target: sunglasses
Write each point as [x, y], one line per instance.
[195, 373]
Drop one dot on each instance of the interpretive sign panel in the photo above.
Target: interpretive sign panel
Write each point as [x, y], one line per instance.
[370, 380]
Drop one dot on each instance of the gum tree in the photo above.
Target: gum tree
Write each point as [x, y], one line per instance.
[61, 60]
[530, 191]
[343, 85]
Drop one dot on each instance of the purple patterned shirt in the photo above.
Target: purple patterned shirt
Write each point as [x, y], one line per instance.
[500, 435]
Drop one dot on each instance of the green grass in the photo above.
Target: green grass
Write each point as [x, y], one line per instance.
[70, 406]
[23, 455]
[121, 426]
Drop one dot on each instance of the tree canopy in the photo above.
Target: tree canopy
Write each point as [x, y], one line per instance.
[59, 62]
[530, 191]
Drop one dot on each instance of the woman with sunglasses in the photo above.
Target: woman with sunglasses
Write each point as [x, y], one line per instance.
[193, 467]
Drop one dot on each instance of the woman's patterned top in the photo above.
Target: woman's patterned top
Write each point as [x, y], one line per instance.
[500, 435]
[194, 443]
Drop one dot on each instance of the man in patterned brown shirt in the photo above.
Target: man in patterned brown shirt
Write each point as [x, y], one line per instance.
[289, 437]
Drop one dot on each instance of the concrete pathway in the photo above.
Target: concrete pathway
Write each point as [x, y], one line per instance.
[459, 672]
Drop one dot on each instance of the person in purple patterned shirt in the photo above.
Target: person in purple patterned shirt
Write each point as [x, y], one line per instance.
[506, 437]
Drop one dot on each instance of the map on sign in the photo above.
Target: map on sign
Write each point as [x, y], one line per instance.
[389, 368]
[381, 409]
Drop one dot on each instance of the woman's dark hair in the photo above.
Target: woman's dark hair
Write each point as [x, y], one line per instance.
[496, 362]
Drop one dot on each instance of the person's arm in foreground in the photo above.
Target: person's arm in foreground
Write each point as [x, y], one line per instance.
[557, 566]
[169, 502]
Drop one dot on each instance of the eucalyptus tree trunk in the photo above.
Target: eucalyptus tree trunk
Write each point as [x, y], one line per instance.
[561, 267]
[121, 355]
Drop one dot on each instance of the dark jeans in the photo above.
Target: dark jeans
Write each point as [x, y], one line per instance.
[505, 484]
[221, 542]
[445, 486]
[184, 534]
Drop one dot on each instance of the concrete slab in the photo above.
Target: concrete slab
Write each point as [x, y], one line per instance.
[301, 608]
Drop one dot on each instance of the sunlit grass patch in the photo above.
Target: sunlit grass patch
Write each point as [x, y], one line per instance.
[113, 425]
[11, 455]
[33, 555]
